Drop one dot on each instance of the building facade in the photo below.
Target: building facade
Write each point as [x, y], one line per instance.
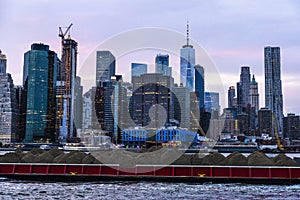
[182, 105]
[105, 66]
[291, 126]
[231, 97]
[199, 85]
[39, 79]
[138, 69]
[273, 87]
[187, 63]
[265, 124]
[243, 89]
[162, 65]
[8, 105]
[65, 89]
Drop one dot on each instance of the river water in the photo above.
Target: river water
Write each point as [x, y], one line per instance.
[12, 189]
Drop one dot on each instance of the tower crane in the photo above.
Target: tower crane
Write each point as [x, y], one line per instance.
[63, 34]
[280, 147]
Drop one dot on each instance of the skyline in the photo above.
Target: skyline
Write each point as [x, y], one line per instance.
[260, 24]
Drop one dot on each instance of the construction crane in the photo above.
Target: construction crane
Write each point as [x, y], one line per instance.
[63, 34]
[280, 147]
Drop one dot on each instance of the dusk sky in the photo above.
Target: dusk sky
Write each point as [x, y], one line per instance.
[233, 33]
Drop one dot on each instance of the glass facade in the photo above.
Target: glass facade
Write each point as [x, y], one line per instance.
[39, 80]
[199, 85]
[138, 69]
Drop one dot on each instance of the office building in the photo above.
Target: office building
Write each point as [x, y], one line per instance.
[243, 89]
[231, 97]
[138, 69]
[265, 121]
[39, 79]
[8, 105]
[187, 63]
[254, 96]
[291, 126]
[78, 102]
[105, 66]
[65, 91]
[211, 103]
[162, 65]
[151, 102]
[182, 105]
[273, 88]
[199, 85]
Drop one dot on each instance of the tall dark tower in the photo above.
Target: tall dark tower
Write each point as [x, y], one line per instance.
[273, 89]
[243, 89]
[66, 88]
[199, 85]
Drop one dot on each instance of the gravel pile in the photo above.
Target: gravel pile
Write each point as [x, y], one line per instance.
[38, 155]
[156, 156]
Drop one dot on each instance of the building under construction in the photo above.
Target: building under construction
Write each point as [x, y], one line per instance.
[65, 88]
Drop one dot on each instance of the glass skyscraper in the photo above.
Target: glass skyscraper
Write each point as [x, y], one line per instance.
[273, 88]
[187, 63]
[199, 85]
[162, 65]
[39, 79]
[138, 69]
[105, 66]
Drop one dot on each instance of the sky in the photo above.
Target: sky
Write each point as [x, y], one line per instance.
[232, 33]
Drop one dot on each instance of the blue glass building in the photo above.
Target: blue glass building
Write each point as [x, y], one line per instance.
[138, 69]
[162, 65]
[187, 63]
[39, 80]
[199, 85]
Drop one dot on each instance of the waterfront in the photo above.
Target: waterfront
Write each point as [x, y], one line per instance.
[12, 189]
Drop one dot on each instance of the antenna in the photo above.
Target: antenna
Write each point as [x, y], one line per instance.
[187, 33]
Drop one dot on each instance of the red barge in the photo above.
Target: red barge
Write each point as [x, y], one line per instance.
[181, 173]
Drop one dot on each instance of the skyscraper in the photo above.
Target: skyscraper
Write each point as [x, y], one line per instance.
[187, 63]
[162, 65]
[78, 103]
[150, 90]
[273, 89]
[254, 96]
[105, 66]
[231, 97]
[265, 121]
[138, 69]
[8, 105]
[243, 89]
[182, 105]
[199, 85]
[39, 79]
[291, 126]
[65, 89]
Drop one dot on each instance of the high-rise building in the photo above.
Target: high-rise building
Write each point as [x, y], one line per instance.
[243, 89]
[254, 96]
[65, 91]
[78, 102]
[182, 105]
[105, 66]
[187, 63]
[199, 85]
[138, 69]
[231, 97]
[211, 102]
[109, 105]
[162, 65]
[265, 121]
[39, 79]
[152, 93]
[291, 126]
[89, 118]
[273, 88]
[8, 105]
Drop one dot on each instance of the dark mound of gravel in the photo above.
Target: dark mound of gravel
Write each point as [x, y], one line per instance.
[237, 159]
[258, 158]
[283, 160]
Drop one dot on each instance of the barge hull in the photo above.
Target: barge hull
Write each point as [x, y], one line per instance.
[169, 173]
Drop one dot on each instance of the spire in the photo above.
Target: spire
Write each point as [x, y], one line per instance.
[187, 36]
[187, 33]
[253, 79]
